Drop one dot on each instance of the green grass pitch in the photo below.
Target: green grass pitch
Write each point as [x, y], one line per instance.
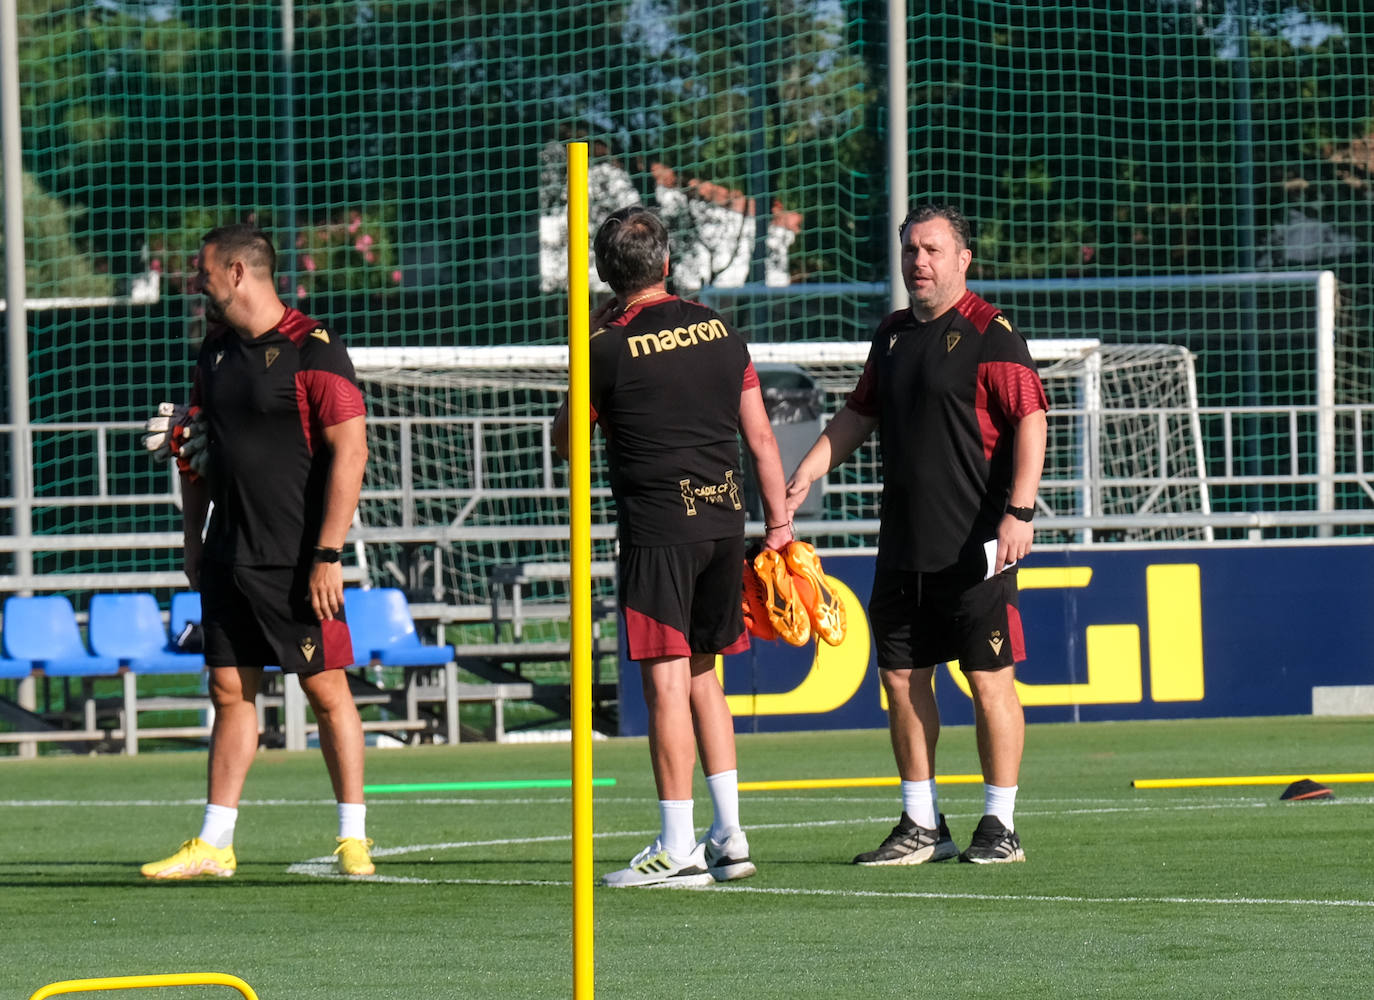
[1223, 892]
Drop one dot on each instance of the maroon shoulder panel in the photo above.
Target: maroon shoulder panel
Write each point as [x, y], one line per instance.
[296, 325]
[976, 311]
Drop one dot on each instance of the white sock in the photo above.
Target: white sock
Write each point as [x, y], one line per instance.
[1000, 802]
[724, 788]
[679, 835]
[353, 820]
[217, 829]
[919, 802]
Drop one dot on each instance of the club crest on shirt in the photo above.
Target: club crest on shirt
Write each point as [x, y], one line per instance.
[951, 340]
[219, 356]
[308, 648]
[891, 343]
[719, 494]
[271, 354]
[687, 497]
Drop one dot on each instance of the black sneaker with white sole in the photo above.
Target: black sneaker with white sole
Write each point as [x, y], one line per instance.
[993, 844]
[909, 844]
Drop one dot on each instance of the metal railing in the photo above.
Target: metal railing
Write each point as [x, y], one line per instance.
[98, 469]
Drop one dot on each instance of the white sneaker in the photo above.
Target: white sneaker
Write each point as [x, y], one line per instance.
[655, 866]
[729, 860]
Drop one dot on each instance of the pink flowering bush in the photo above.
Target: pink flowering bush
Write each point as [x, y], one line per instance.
[353, 252]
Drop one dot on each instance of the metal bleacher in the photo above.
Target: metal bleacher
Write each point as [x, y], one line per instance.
[132, 631]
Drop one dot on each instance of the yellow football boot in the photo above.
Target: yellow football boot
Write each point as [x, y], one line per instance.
[194, 859]
[354, 858]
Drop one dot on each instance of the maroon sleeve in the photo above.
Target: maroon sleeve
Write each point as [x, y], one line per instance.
[751, 378]
[1015, 388]
[327, 385]
[864, 399]
[332, 398]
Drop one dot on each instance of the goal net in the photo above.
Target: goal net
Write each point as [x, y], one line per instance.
[463, 469]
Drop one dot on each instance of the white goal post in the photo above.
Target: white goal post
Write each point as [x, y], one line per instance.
[1265, 341]
[1125, 431]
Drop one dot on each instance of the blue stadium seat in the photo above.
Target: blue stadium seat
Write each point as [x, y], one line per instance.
[43, 630]
[129, 628]
[14, 669]
[185, 608]
[384, 633]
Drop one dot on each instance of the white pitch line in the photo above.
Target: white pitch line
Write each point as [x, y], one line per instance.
[1031, 898]
[375, 802]
[323, 868]
[1249, 803]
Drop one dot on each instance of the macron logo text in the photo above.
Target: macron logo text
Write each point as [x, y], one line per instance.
[682, 336]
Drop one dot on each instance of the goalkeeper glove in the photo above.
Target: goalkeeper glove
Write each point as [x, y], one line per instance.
[179, 432]
[190, 443]
[158, 439]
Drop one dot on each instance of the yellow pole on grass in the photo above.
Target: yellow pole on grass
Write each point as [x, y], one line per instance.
[139, 982]
[1353, 777]
[803, 784]
[580, 488]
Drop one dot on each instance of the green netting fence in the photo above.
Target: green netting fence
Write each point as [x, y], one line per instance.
[408, 158]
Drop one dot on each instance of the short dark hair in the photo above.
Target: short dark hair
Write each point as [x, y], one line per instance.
[631, 246]
[246, 242]
[928, 210]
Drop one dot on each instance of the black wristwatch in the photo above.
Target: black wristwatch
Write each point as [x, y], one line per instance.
[1026, 514]
[324, 555]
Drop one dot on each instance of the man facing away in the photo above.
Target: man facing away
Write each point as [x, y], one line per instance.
[672, 387]
[287, 447]
[953, 391]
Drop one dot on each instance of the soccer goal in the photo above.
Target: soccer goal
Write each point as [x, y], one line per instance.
[461, 449]
[1266, 358]
[1125, 434]
[461, 444]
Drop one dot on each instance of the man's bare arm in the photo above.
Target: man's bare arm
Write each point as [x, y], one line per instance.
[347, 444]
[842, 436]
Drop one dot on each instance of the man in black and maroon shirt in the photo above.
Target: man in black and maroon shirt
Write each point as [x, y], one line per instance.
[672, 388]
[953, 391]
[287, 445]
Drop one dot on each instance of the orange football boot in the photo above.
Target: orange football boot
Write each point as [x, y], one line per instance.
[785, 612]
[823, 606]
[754, 600]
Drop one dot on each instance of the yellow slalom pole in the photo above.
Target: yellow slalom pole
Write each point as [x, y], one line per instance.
[580, 488]
[140, 982]
[1257, 779]
[787, 784]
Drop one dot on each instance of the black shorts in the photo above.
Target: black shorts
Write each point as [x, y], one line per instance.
[921, 619]
[683, 599]
[261, 616]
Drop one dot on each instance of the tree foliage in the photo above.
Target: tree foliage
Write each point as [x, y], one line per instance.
[1092, 137]
[1167, 137]
[54, 265]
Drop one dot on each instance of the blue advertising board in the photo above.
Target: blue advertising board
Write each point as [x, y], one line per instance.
[1111, 633]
